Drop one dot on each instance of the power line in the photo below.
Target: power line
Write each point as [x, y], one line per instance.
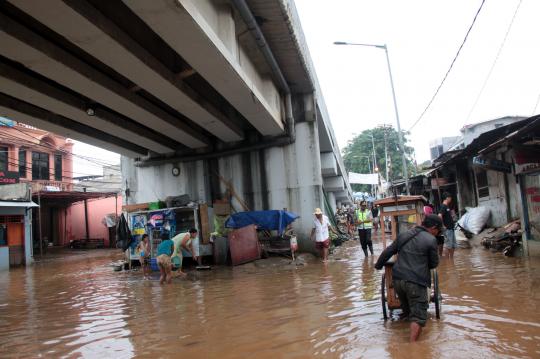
[451, 66]
[494, 62]
[42, 145]
[52, 173]
[90, 159]
[39, 145]
[97, 161]
[535, 106]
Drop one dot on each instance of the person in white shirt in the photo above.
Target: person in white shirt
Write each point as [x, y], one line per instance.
[320, 231]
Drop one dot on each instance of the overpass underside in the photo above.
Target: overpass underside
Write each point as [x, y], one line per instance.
[222, 90]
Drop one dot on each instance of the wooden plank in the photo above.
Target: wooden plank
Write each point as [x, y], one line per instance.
[394, 228]
[382, 233]
[205, 228]
[230, 188]
[400, 213]
[391, 296]
[135, 207]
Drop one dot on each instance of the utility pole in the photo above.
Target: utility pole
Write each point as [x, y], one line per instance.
[375, 166]
[386, 153]
[400, 135]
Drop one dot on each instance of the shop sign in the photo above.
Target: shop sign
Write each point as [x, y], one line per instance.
[527, 161]
[492, 164]
[527, 168]
[8, 177]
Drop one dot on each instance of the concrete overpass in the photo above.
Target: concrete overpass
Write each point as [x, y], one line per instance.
[211, 87]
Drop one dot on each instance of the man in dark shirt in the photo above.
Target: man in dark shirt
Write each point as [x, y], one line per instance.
[446, 215]
[411, 275]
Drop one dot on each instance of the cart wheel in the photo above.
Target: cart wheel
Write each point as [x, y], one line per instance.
[383, 297]
[437, 295]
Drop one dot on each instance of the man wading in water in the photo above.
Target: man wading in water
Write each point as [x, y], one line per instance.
[321, 227]
[417, 255]
[364, 221]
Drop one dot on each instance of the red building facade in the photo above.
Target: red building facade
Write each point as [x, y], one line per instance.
[45, 161]
[28, 154]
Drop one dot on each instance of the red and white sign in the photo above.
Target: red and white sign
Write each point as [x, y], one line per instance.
[7, 177]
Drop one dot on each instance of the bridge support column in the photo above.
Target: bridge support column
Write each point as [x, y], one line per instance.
[309, 179]
[332, 200]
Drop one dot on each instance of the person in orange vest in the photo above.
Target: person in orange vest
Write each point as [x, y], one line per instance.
[364, 223]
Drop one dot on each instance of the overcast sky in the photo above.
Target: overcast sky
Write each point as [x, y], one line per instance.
[422, 38]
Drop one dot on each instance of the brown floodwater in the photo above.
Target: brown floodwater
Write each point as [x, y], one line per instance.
[77, 306]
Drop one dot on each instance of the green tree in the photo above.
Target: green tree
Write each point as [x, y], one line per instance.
[360, 148]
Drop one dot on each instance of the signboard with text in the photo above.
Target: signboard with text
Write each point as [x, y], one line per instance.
[8, 177]
[492, 164]
[527, 161]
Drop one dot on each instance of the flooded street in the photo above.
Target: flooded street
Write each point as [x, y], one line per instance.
[80, 307]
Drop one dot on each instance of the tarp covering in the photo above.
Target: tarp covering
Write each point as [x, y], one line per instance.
[363, 178]
[265, 220]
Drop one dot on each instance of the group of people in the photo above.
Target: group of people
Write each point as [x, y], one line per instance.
[419, 251]
[169, 253]
[363, 219]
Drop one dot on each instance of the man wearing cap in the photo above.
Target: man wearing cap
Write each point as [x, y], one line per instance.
[320, 231]
[411, 275]
[364, 223]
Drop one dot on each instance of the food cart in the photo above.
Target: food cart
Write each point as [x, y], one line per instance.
[404, 212]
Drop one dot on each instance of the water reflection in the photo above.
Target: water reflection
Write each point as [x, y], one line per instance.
[79, 307]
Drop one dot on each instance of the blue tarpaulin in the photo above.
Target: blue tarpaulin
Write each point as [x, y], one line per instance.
[265, 220]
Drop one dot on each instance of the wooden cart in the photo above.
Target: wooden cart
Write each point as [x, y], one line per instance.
[404, 212]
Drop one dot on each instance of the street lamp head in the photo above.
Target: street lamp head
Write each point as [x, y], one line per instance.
[340, 43]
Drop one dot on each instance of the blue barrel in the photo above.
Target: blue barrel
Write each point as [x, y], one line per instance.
[153, 264]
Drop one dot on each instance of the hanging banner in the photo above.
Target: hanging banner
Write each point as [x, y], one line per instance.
[363, 178]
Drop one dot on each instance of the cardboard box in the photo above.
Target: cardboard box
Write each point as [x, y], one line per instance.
[222, 209]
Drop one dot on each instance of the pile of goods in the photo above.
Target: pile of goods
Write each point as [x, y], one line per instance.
[342, 229]
[474, 219]
[505, 239]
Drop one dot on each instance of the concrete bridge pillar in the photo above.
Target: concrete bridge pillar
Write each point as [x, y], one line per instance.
[332, 200]
[308, 167]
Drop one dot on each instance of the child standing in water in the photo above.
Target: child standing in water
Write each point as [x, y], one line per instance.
[144, 255]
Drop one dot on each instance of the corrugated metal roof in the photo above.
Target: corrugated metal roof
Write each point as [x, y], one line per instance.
[18, 204]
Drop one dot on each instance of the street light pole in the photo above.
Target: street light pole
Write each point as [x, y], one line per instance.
[400, 135]
[386, 155]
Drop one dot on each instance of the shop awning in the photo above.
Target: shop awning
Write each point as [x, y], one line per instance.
[65, 198]
[29, 204]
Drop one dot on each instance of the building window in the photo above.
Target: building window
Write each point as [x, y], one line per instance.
[482, 183]
[22, 163]
[40, 166]
[58, 167]
[3, 158]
